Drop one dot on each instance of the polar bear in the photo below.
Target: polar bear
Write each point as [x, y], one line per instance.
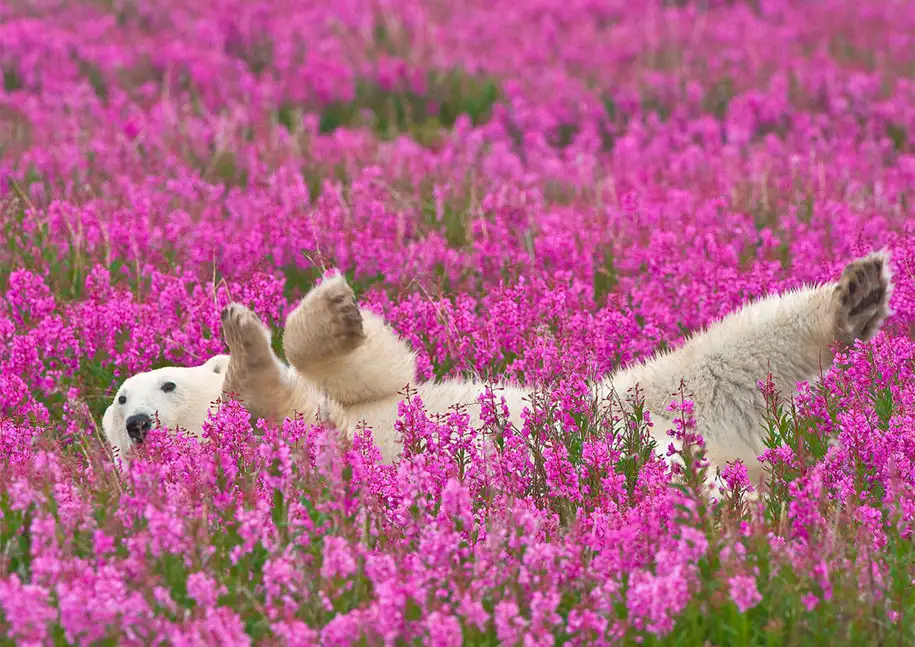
[347, 365]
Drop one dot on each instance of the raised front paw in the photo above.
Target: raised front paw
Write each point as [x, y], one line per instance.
[245, 334]
[862, 297]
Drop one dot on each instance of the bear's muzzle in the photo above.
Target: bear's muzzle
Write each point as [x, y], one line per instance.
[138, 425]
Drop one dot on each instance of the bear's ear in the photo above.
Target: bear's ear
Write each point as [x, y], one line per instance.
[218, 364]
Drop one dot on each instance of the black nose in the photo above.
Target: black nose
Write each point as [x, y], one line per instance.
[137, 427]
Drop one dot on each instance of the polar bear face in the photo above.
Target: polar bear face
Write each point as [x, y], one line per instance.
[174, 396]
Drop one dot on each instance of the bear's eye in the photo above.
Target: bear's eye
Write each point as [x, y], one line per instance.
[168, 387]
[122, 399]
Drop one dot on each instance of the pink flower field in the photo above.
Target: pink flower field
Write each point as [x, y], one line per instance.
[540, 191]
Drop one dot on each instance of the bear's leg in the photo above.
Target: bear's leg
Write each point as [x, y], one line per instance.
[255, 374]
[352, 354]
[861, 298]
[788, 336]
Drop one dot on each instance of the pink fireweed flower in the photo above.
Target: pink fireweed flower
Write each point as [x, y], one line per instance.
[218, 626]
[443, 630]
[810, 601]
[203, 589]
[27, 610]
[337, 560]
[561, 475]
[509, 623]
[743, 592]
[736, 478]
[295, 633]
[655, 600]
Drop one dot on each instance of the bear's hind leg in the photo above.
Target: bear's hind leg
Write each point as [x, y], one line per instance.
[350, 353]
[788, 336]
[861, 300]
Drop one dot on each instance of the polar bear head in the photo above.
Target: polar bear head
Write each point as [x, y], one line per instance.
[174, 396]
